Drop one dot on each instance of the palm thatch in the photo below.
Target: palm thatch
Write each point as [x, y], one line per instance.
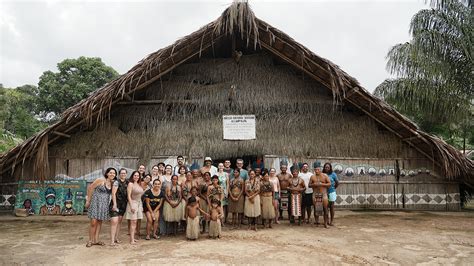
[237, 21]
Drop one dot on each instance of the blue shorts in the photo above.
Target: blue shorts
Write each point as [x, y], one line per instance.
[332, 196]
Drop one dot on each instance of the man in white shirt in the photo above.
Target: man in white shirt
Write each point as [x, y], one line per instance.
[307, 194]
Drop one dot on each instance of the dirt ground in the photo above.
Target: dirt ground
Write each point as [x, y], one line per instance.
[366, 237]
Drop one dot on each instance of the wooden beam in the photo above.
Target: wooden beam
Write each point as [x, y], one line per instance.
[412, 138]
[352, 92]
[61, 134]
[151, 102]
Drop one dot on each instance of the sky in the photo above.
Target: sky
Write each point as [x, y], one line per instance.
[36, 35]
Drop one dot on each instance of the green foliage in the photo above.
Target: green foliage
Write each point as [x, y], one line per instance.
[17, 115]
[435, 75]
[76, 79]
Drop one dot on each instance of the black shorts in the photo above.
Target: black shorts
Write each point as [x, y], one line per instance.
[121, 212]
[307, 200]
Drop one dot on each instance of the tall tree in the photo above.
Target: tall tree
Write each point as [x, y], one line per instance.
[74, 81]
[434, 71]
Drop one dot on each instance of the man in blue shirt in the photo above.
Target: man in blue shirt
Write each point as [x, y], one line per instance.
[327, 169]
[243, 173]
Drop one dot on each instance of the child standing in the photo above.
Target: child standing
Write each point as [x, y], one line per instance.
[192, 219]
[216, 215]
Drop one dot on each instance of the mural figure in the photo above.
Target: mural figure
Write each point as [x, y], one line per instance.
[338, 169]
[372, 171]
[361, 170]
[68, 206]
[50, 207]
[349, 171]
[29, 207]
[382, 172]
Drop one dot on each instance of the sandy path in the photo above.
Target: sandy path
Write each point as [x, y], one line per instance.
[358, 238]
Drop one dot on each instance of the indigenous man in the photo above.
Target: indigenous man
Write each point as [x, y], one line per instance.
[320, 183]
[296, 188]
[307, 202]
[284, 178]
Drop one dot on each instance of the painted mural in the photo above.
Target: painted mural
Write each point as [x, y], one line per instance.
[58, 197]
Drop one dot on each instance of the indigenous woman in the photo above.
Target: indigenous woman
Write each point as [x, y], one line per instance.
[267, 194]
[165, 172]
[187, 185]
[118, 205]
[182, 174]
[327, 169]
[296, 188]
[276, 193]
[173, 208]
[224, 183]
[153, 202]
[134, 210]
[98, 202]
[236, 203]
[214, 190]
[203, 199]
[252, 201]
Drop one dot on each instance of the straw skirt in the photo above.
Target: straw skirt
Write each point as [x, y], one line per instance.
[236, 206]
[203, 205]
[268, 210]
[252, 209]
[215, 228]
[183, 208]
[192, 228]
[173, 214]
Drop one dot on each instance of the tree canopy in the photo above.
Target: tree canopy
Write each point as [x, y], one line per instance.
[434, 70]
[76, 79]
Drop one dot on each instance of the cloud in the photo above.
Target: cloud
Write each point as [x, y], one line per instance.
[35, 36]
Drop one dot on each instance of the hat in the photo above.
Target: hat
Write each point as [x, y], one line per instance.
[208, 159]
[50, 192]
[316, 164]
[68, 196]
[294, 167]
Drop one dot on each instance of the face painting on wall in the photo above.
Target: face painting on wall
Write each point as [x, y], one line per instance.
[372, 171]
[349, 171]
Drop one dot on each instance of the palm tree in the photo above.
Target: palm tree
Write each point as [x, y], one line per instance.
[434, 71]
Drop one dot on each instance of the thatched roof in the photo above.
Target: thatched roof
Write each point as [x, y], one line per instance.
[239, 22]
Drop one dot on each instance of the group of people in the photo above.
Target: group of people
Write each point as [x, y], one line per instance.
[177, 198]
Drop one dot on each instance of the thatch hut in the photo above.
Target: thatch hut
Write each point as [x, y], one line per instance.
[306, 109]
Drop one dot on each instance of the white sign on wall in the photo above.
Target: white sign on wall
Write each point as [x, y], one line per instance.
[239, 127]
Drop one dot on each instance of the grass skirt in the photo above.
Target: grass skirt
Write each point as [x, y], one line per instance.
[173, 214]
[215, 228]
[236, 206]
[192, 228]
[252, 209]
[268, 210]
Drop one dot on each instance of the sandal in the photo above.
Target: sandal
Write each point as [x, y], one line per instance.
[89, 244]
[147, 238]
[100, 243]
[156, 236]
